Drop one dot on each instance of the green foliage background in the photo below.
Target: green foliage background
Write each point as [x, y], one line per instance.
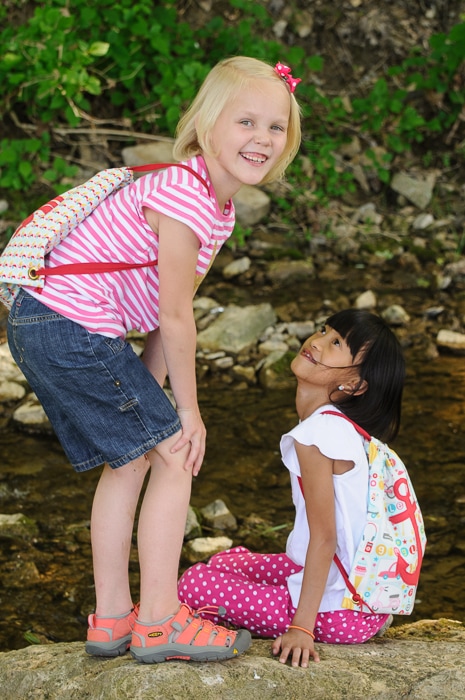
[137, 64]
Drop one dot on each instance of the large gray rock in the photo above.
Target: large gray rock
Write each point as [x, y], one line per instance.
[421, 663]
[237, 328]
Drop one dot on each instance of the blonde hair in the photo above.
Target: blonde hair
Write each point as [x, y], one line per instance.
[223, 83]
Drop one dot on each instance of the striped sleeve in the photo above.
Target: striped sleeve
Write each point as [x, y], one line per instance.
[182, 197]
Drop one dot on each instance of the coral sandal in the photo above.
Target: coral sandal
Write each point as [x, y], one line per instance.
[110, 636]
[186, 637]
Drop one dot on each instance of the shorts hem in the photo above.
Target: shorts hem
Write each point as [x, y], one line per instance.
[120, 461]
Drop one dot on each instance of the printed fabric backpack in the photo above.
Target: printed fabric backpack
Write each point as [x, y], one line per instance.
[386, 567]
[22, 261]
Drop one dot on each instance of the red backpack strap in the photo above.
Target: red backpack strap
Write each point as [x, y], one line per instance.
[356, 597]
[89, 268]
[357, 427]
[161, 166]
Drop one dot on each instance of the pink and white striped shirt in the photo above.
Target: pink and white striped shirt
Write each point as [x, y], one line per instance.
[114, 303]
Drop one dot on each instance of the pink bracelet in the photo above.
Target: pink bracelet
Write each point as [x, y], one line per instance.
[302, 629]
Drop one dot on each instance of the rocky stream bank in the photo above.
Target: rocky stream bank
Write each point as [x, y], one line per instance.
[421, 661]
[261, 299]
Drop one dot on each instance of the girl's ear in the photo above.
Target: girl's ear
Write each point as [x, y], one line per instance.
[360, 389]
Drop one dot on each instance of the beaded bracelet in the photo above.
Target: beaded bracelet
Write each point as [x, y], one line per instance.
[302, 629]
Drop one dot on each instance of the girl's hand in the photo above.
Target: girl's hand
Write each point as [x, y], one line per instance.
[296, 645]
[193, 433]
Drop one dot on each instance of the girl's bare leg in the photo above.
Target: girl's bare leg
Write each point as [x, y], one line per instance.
[112, 525]
[160, 533]
[161, 528]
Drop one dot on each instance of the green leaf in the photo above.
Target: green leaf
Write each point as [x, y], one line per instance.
[25, 168]
[98, 48]
[31, 638]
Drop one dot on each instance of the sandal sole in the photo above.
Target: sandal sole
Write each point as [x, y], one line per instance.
[188, 652]
[116, 648]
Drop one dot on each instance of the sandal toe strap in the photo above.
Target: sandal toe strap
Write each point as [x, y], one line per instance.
[223, 638]
[198, 631]
[190, 632]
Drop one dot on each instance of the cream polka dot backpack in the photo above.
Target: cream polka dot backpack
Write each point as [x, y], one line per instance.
[22, 261]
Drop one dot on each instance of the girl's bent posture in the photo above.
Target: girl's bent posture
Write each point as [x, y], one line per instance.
[106, 405]
[355, 365]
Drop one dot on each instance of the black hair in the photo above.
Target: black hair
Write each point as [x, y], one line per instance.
[382, 367]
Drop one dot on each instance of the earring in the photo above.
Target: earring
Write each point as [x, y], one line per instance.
[341, 387]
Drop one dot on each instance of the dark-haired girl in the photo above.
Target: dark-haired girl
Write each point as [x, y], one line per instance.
[354, 365]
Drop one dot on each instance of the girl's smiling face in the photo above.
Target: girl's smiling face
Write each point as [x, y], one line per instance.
[327, 347]
[325, 360]
[250, 134]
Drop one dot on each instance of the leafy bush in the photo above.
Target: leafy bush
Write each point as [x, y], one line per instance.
[136, 63]
[133, 59]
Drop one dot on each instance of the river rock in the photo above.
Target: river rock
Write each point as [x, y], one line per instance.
[17, 525]
[456, 270]
[202, 548]
[395, 315]
[421, 661]
[272, 345]
[237, 328]
[9, 370]
[158, 152]
[417, 190]
[274, 372]
[422, 221]
[244, 373]
[301, 329]
[286, 272]
[31, 416]
[452, 341]
[11, 391]
[236, 268]
[367, 214]
[218, 516]
[251, 205]
[192, 528]
[366, 300]
[223, 363]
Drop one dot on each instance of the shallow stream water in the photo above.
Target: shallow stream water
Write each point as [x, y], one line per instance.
[46, 580]
[47, 587]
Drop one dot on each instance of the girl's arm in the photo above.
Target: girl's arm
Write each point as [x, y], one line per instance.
[317, 481]
[177, 261]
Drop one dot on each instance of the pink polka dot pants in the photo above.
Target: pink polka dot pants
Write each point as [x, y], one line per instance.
[253, 590]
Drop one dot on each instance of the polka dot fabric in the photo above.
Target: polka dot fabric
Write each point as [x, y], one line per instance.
[253, 590]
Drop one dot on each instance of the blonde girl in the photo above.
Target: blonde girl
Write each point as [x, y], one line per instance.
[107, 405]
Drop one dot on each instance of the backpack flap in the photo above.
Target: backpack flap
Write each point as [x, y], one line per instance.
[48, 226]
[387, 562]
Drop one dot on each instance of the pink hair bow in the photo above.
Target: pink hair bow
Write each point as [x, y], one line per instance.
[284, 72]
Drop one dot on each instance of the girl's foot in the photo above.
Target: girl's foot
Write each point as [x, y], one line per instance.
[110, 636]
[186, 637]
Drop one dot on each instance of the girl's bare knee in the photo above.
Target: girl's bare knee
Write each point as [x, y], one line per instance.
[162, 454]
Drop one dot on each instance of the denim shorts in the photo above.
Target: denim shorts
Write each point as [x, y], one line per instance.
[103, 403]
